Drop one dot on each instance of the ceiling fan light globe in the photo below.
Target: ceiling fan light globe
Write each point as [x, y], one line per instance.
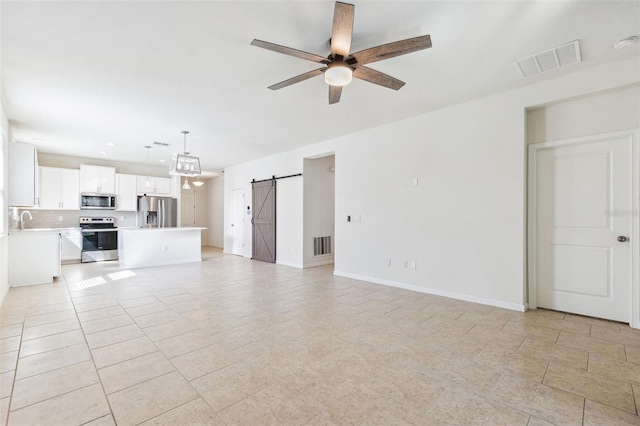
[338, 75]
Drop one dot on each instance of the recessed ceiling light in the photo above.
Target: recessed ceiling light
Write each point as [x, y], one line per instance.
[102, 153]
[163, 161]
[625, 42]
[111, 144]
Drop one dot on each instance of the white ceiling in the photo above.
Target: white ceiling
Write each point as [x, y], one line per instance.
[79, 75]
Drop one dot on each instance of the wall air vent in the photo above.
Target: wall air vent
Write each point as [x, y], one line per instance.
[549, 60]
[321, 245]
[160, 143]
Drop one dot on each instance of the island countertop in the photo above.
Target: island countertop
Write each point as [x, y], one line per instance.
[184, 228]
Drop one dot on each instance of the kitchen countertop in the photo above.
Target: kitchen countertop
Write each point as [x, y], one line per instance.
[19, 231]
[184, 228]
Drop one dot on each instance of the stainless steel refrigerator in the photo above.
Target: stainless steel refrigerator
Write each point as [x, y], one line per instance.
[157, 212]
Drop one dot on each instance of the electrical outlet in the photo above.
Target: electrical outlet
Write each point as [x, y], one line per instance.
[357, 219]
[388, 262]
[405, 264]
[60, 218]
[122, 218]
[412, 264]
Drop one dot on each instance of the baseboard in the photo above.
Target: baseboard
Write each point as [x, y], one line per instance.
[4, 294]
[426, 290]
[314, 264]
[293, 265]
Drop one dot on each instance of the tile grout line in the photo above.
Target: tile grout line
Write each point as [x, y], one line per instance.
[15, 374]
[104, 393]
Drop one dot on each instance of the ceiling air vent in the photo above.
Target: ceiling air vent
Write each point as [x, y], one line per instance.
[160, 143]
[549, 60]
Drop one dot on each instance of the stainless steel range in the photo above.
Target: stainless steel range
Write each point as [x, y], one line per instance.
[99, 239]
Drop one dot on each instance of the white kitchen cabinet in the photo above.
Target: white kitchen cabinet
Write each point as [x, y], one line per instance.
[71, 241]
[34, 257]
[59, 189]
[97, 179]
[158, 186]
[23, 175]
[126, 194]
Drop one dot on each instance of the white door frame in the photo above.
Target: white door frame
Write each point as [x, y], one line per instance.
[634, 240]
[234, 225]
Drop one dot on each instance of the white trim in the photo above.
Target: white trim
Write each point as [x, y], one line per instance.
[293, 265]
[427, 290]
[4, 294]
[323, 263]
[534, 149]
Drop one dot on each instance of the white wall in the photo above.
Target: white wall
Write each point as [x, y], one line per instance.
[586, 115]
[4, 247]
[319, 207]
[464, 224]
[289, 200]
[65, 161]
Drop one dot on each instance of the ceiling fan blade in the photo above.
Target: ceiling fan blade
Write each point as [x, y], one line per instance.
[297, 79]
[376, 77]
[334, 94]
[342, 29]
[391, 50]
[290, 51]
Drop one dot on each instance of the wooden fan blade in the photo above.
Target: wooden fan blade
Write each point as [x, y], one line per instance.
[342, 29]
[290, 51]
[297, 79]
[334, 94]
[376, 77]
[391, 50]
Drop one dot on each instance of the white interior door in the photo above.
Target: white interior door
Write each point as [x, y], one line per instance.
[583, 213]
[237, 221]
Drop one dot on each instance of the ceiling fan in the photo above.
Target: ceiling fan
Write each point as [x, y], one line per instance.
[340, 66]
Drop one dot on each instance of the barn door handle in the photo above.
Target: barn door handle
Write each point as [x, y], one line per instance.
[622, 238]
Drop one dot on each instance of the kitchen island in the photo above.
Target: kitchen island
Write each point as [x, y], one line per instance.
[143, 247]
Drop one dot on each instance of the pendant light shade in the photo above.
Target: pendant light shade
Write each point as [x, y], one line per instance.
[198, 182]
[147, 182]
[184, 164]
[186, 184]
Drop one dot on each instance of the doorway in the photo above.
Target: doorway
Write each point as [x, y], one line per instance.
[583, 226]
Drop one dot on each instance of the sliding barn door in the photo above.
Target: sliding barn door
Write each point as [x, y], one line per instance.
[264, 221]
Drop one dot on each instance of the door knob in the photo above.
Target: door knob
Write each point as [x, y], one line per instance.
[622, 238]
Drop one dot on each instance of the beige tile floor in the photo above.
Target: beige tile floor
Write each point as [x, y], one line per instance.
[236, 342]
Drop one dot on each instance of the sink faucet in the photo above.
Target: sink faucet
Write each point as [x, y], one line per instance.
[22, 218]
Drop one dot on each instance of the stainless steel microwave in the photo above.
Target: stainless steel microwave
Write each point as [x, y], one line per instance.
[94, 201]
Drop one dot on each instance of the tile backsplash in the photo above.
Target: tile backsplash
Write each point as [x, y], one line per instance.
[71, 218]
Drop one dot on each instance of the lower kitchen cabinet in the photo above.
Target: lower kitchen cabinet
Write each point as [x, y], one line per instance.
[71, 241]
[34, 257]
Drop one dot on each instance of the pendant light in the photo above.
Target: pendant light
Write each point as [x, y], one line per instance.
[186, 184]
[198, 182]
[147, 182]
[184, 164]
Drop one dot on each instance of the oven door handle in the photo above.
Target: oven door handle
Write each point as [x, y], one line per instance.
[99, 230]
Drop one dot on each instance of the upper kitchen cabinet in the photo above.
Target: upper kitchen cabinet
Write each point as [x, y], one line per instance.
[97, 179]
[157, 186]
[23, 175]
[59, 188]
[126, 196]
